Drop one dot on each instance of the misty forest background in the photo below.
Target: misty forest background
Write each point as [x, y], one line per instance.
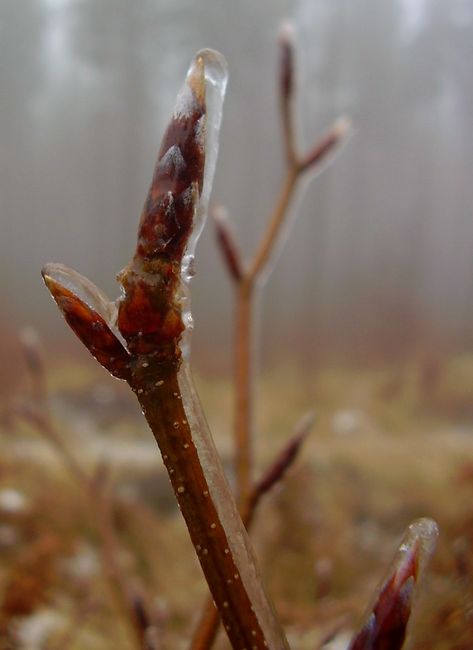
[380, 262]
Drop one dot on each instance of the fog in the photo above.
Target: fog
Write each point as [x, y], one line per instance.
[380, 257]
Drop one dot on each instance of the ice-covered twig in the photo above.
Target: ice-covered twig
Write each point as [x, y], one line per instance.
[386, 623]
[144, 339]
[207, 628]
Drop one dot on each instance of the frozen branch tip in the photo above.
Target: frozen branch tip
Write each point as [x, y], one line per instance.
[142, 338]
[149, 318]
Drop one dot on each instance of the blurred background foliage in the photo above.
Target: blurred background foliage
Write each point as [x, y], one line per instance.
[380, 261]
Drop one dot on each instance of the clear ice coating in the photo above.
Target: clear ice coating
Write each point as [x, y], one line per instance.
[220, 492]
[389, 613]
[83, 288]
[207, 74]
[215, 71]
[86, 291]
[421, 538]
[216, 78]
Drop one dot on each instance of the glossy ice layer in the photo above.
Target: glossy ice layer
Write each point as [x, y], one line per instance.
[387, 619]
[216, 78]
[240, 550]
[154, 319]
[81, 287]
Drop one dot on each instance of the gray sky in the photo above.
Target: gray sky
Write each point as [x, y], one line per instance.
[382, 249]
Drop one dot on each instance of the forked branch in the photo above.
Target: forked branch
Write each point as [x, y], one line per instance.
[247, 276]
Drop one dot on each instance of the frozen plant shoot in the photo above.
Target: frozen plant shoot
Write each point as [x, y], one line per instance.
[144, 336]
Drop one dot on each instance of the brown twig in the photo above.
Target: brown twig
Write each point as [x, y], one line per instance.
[281, 464]
[141, 340]
[326, 145]
[227, 243]
[296, 166]
[207, 627]
[248, 278]
[286, 90]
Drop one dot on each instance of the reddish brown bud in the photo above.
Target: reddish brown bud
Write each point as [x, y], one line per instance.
[286, 456]
[89, 314]
[386, 624]
[150, 312]
[327, 145]
[227, 243]
[286, 61]
[277, 470]
[168, 213]
[286, 89]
